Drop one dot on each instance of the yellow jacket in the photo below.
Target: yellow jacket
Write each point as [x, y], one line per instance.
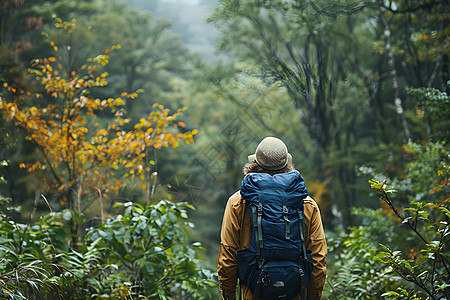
[236, 234]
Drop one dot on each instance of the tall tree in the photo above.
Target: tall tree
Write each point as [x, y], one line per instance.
[319, 52]
[152, 57]
[79, 152]
[307, 53]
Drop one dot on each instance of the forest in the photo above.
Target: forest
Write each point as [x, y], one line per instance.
[125, 125]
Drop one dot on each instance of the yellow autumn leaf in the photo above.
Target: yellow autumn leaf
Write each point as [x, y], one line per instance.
[119, 101]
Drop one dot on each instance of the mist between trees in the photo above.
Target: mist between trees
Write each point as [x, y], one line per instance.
[125, 126]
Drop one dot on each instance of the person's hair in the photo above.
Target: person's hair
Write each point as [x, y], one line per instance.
[253, 167]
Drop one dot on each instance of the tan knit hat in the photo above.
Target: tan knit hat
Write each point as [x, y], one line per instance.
[271, 154]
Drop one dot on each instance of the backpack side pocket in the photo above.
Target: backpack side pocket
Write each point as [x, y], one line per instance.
[247, 268]
[307, 265]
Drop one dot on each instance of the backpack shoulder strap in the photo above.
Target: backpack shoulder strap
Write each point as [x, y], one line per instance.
[301, 222]
[309, 200]
[243, 213]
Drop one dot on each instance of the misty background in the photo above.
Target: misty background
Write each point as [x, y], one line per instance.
[188, 18]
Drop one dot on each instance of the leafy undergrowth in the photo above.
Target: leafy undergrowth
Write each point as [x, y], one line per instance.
[142, 253]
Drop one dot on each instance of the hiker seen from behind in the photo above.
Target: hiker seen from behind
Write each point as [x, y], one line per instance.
[272, 239]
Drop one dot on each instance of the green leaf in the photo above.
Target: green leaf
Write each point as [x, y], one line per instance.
[376, 185]
[443, 286]
[445, 210]
[390, 293]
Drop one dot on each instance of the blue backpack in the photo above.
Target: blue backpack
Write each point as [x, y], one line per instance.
[277, 265]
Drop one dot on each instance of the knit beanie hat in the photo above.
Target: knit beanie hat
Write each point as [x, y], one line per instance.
[271, 154]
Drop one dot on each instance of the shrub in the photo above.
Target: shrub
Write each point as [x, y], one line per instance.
[140, 254]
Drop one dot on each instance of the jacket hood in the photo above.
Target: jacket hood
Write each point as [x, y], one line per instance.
[288, 186]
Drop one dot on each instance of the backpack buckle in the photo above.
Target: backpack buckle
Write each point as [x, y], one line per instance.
[285, 214]
[259, 227]
[265, 280]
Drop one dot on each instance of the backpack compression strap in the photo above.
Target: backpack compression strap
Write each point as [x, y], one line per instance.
[287, 231]
[257, 226]
[301, 222]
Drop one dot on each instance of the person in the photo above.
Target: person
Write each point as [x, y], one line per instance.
[271, 157]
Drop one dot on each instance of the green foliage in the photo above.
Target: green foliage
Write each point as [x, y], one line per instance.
[401, 294]
[433, 102]
[426, 169]
[320, 53]
[399, 252]
[152, 59]
[434, 105]
[142, 253]
[148, 244]
[353, 270]
[428, 266]
[322, 66]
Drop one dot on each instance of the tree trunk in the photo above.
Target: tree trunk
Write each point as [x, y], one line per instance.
[393, 70]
